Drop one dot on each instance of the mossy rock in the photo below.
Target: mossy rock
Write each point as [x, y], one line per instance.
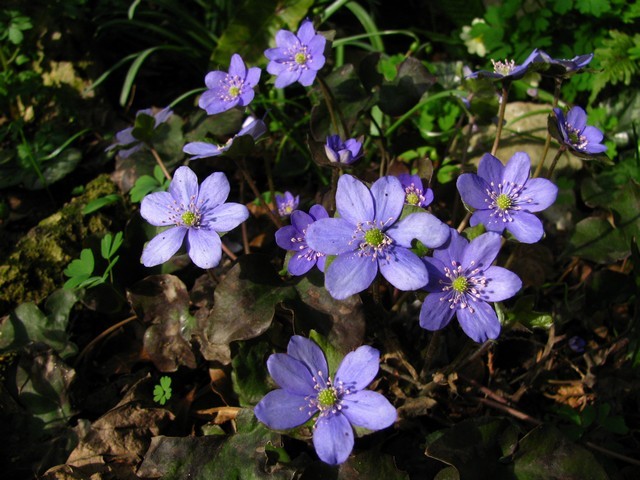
[34, 267]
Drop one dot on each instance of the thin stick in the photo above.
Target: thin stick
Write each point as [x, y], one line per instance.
[330, 104]
[501, 111]
[547, 142]
[247, 177]
[108, 331]
[229, 253]
[554, 162]
[160, 162]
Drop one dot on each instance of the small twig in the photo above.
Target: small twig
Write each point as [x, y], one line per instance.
[247, 177]
[554, 162]
[229, 253]
[501, 111]
[510, 410]
[547, 142]
[394, 372]
[160, 162]
[606, 451]
[108, 331]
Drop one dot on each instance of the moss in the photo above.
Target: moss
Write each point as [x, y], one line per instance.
[34, 268]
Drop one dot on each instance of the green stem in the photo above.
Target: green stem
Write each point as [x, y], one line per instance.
[547, 142]
[554, 162]
[328, 98]
[501, 111]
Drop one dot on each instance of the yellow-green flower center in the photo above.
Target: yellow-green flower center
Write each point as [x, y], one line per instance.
[374, 237]
[503, 202]
[234, 91]
[300, 58]
[413, 198]
[460, 284]
[189, 218]
[327, 397]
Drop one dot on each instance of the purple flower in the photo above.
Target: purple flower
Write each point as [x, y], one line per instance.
[369, 235]
[297, 58]
[574, 132]
[292, 238]
[462, 281]
[415, 193]
[344, 153]
[562, 67]
[198, 213]
[577, 344]
[507, 70]
[307, 390]
[287, 203]
[505, 196]
[251, 126]
[129, 144]
[228, 90]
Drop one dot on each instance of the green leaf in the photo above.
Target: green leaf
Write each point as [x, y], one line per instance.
[593, 7]
[596, 240]
[249, 374]
[98, 203]
[81, 266]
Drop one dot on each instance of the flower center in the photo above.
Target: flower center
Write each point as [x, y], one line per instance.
[503, 68]
[300, 58]
[578, 141]
[189, 219]
[234, 91]
[374, 237]
[327, 397]
[412, 198]
[503, 202]
[460, 284]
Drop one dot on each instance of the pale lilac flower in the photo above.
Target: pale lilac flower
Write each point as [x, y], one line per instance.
[287, 203]
[462, 281]
[228, 90]
[197, 213]
[344, 153]
[251, 126]
[293, 238]
[127, 144]
[415, 193]
[505, 196]
[507, 70]
[297, 58]
[574, 132]
[306, 389]
[368, 236]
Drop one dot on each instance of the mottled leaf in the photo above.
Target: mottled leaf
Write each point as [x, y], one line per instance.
[411, 82]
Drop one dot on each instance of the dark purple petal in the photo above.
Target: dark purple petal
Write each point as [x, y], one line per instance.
[517, 170]
[482, 324]
[577, 118]
[204, 247]
[473, 190]
[526, 227]
[435, 313]
[453, 249]
[333, 439]
[300, 220]
[482, 251]
[246, 97]
[282, 410]
[331, 236]
[369, 410]
[501, 284]
[491, 169]
[284, 237]
[318, 212]
[163, 246]
[388, 197]
[291, 374]
[403, 269]
[542, 193]
[349, 274]
[184, 186]
[213, 191]
[310, 354]
[435, 269]
[157, 209]
[225, 217]
[358, 368]
[354, 200]
[301, 262]
[422, 226]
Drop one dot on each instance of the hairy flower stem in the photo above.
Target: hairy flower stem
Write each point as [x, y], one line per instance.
[547, 142]
[328, 98]
[160, 162]
[503, 108]
[247, 178]
[554, 162]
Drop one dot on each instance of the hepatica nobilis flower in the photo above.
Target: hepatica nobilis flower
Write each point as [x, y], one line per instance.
[505, 196]
[507, 70]
[127, 143]
[251, 126]
[462, 281]
[293, 238]
[573, 132]
[563, 67]
[228, 90]
[414, 190]
[368, 236]
[297, 58]
[306, 389]
[344, 153]
[287, 203]
[198, 213]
